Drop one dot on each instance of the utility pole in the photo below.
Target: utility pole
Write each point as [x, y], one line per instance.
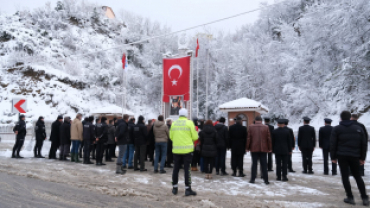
[207, 77]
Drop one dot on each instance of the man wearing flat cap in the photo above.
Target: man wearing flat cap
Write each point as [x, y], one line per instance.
[306, 144]
[238, 141]
[282, 148]
[324, 144]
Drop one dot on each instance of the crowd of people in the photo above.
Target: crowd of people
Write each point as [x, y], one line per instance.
[190, 145]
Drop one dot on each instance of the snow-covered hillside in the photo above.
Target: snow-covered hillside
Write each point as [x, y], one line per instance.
[63, 74]
[301, 58]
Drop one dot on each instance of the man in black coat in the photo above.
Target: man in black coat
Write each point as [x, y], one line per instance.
[348, 145]
[269, 155]
[93, 144]
[354, 118]
[81, 148]
[55, 137]
[140, 133]
[324, 144]
[292, 140]
[65, 138]
[282, 148]
[238, 142]
[222, 145]
[101, 133]
[122, 137]
[40, 137]
[306, 144]
[21, 132]
[88, 138]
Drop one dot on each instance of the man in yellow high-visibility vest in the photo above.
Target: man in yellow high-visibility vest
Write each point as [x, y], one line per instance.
[183, 135]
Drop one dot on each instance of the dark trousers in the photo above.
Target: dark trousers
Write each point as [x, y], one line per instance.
[81, 148]
[237, 161]
[195, 160]
[53, 150]
[353, 164]
[150, 152]
[289, 162]
[110, 151]
[38, 147]
[93, 150]
[269, 161]
[140, 153]
[281, 165]
[178, 160]
[326, 154]
[99, 152]
[209, 163]
[169, 153]
[307, 159]
[18, 146]
[221, 159]
[86, 145]
[262, 157]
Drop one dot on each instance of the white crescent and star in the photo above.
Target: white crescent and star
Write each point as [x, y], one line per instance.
[174, 81]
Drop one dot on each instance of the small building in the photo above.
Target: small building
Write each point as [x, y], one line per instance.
[111, 112]
[245, 108]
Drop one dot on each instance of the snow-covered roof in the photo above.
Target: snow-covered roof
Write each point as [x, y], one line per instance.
[111, 110]
[243, 104]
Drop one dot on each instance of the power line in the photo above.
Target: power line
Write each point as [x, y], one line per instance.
[164, 35]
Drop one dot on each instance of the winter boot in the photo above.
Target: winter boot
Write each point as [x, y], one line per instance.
[76, 158]
[119, 170]
[241, 174]
[349, 200]
[175, 190]
[73, 157]
[365, 201]
[35, 153]
[13, 155]
[18, 156]
[189, 192]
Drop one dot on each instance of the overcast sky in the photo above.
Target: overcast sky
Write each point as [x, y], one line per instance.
[178, 14]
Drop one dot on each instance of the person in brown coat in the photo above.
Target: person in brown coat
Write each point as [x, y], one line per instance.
[259, 144]
[161, 135]
[76, 137]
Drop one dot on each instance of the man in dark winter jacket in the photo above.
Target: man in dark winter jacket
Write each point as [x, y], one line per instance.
[238, 141]
[20, 131]
[86, 119]
[292, 139]
[65, 138]
[101, 138]
[354, 118]
[140, 133]
[55, 137]
[324, 144]
[121, 138]
[348, 145]
[129, 153]
[150, 142]
[88, 138]
[93, 144]
[222, 145]
[269, 155]
[111, 143]
[282, 148]
[306, 144]
[40, 137]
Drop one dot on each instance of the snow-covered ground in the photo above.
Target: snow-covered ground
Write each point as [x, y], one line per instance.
[301, 191]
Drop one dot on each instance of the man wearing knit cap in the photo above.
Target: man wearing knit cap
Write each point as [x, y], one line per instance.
[306, 144]
[40, 137]
[20, 132]
[183, 136]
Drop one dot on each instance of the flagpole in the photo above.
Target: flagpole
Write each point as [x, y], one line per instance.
[207, 50]
[198, 87]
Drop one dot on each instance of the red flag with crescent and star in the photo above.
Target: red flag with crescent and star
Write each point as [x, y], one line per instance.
[176, 77]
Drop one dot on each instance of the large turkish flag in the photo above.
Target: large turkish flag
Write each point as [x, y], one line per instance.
[176, 77]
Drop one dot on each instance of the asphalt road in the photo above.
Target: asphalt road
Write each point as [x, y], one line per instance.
[24, 192]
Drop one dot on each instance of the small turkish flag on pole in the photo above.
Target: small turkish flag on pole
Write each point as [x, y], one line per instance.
[124, 61]
[196, 50]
